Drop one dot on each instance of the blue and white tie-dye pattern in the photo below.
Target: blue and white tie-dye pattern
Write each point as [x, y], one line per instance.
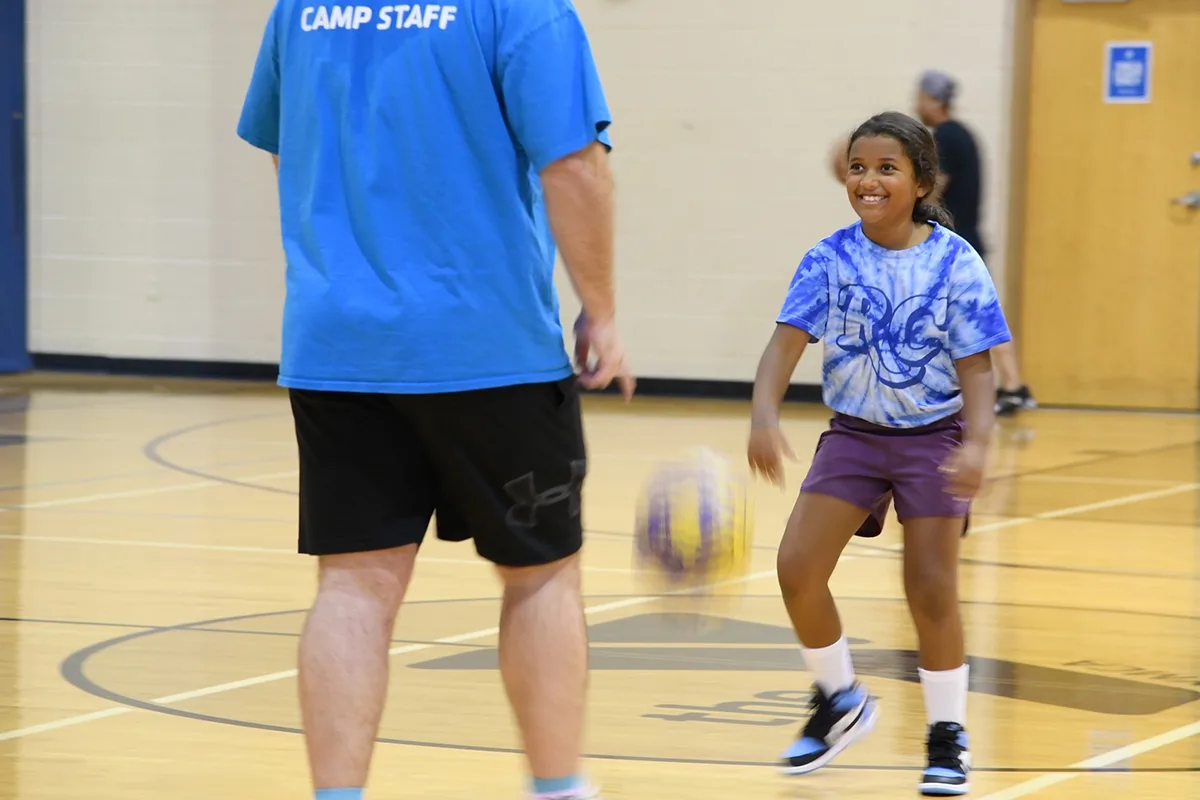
[898, 321]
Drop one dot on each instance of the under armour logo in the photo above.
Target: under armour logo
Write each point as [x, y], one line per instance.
[529, 500]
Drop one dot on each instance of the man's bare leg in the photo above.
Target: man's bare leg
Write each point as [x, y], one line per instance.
[343, 673]
[544, 664]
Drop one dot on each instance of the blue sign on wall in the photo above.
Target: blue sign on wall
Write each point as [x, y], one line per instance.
[1127, 72]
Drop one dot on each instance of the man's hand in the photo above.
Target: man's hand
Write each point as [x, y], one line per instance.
[599, 338]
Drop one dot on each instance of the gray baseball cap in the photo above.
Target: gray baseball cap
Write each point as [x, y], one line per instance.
[938, 85]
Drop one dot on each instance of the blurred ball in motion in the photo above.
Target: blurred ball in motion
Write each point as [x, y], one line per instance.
[694, 522]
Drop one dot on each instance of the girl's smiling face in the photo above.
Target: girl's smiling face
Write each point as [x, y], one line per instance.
[881, 182]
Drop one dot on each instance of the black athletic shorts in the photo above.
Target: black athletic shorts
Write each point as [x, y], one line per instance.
[504, 467]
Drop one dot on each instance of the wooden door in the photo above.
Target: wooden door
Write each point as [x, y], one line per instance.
[1110, 282]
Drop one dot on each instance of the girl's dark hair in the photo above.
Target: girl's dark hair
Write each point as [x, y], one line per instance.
[921, 149]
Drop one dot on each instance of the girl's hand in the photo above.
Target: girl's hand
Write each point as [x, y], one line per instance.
[765, 453]
[964, 470]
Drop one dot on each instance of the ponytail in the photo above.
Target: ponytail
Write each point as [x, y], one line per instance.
[925, 211]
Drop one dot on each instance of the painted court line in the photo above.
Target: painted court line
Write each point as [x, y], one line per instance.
[1085, 508]
[1088, 480]
[175, 487]
[1071, 511]
[46, 727]
[207, 691]
[1023, 789]
[237, 548]
[1026, 788]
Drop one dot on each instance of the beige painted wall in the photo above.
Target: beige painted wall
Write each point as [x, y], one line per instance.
[154, 229]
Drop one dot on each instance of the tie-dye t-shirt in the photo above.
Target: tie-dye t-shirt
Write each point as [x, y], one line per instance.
[894, 322]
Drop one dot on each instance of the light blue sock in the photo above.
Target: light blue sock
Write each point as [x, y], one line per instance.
[543, 786]
[338, 794]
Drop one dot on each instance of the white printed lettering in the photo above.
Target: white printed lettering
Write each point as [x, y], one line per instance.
[340, 18]
[315, 18]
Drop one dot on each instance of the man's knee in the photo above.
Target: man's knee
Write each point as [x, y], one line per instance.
[378, 577]
[563, 573]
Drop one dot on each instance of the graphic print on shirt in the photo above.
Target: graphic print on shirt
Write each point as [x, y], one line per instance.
[894, 322]
[329, 18]
[894, 339]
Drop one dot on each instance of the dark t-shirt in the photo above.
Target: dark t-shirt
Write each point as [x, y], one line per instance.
[959, 159]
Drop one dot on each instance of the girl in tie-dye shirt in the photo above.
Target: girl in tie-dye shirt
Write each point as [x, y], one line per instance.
[907, 313]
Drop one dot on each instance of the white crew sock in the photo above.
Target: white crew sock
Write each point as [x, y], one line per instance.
[946, 694]
[831, 666]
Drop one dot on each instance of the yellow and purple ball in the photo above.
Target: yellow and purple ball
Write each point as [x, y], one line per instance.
[694, 522]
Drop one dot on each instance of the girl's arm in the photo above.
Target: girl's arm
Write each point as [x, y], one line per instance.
[978, 384]
[966, 467]
[767, 445]
[775, 370]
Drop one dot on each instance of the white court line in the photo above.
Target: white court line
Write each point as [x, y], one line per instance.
[1026, 788]
[175, 487]
[81, 719]
[204, 484]
[237, 548]
[1070, 511]
[1019, 790]
[1085, 480]
[1118, 501]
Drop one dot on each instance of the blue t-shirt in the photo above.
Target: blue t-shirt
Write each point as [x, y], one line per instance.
[894, 322]
[410, 138]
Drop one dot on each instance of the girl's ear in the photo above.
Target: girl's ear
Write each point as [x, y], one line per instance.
[924, 188]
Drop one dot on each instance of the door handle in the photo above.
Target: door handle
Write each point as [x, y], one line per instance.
[1196, 159]
[1190, 200]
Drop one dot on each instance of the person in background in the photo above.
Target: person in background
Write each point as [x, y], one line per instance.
[960, 190]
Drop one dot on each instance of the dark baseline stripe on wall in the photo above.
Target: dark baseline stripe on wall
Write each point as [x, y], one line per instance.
[236, 370]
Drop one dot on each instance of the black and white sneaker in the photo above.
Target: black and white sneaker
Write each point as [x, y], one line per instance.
[1010, 401]
[949, 770]
[837, 722]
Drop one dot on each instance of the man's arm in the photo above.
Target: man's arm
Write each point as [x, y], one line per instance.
[559, 116]
[838, 163]
[558, 112]
[259, 121]
[579, 203]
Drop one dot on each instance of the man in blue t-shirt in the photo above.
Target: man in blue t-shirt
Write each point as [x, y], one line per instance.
[431, 160]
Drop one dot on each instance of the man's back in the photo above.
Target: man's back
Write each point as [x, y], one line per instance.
[409, 141]
[959, 157]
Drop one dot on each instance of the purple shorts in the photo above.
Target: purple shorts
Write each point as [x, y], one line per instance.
[871, 466]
